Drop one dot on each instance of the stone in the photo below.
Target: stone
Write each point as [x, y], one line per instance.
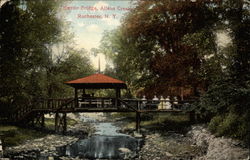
[50, 158]
[124, 150]
[168, 154]
[137, 135]
[219, 148]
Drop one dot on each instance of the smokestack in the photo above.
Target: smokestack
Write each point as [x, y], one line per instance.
[99, 65]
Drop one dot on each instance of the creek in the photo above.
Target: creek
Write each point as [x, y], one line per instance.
[105, 143]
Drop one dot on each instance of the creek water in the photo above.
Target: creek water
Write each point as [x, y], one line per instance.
[106, 143]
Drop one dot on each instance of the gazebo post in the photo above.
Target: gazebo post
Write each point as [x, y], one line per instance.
[118, 95]
[76, 98]
[83, 91]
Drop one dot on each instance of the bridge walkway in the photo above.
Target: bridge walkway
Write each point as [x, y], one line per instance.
[34, 114]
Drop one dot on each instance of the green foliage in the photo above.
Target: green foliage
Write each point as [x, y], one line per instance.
[23, 49]
[123, 54]
[35, 54]
[232, 125]
[226, 103]
[229, 103]
[75, 65]
[227, 98]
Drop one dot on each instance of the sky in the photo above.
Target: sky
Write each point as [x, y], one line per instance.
[89, 19]
[2, 2]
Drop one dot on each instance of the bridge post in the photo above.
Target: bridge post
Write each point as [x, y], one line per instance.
[61, 122]
[1, 148]
[42, 121]
[38, 120]
[76, 98]
[64, 123]
[138, 121]
[56, 121]
[118, 95]
[192, 118]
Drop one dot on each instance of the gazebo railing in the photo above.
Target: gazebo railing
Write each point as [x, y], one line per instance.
[133, 104]
[96, 102]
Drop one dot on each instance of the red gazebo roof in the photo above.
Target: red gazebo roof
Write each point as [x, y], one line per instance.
[97, 81]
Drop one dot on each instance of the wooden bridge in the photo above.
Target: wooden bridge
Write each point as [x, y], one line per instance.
[34, 113]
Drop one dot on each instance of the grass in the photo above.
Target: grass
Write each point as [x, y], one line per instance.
[4, 128]
[128, 115]
[13, 135]
[50, 122]
[157, 121]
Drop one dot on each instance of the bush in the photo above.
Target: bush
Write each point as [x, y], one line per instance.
[226, 104]
[231, 125]
[215, 123]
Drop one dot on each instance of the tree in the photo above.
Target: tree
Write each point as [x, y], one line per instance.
[152, 42]
[74, 65]
[24, 43]
[30, 68]
[227, 98]
[121, 53]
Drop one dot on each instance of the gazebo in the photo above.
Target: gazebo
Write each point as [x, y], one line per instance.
[97, 81]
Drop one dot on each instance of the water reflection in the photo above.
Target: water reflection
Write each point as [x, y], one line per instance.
[107, 129]
[101, 147]
[105, 144]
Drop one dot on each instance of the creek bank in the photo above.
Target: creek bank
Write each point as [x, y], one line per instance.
[170, 146]
[197, 144]
[169, 142]
[161, 144]
[219, 148]
[39, 147]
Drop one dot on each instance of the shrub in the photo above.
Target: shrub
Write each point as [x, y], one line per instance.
[226, 104]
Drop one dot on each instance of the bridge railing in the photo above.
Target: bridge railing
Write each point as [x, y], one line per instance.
[131, 104]
[19, 113]
[41, 105]
[159, 104]
[69, 104]
[51, 104]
